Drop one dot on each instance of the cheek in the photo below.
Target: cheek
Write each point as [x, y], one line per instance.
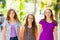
[47, 15]
[30, 20]
[11, 15]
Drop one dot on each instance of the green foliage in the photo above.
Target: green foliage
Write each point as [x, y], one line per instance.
[30, 1]
[3, 3]
[22, 17]
[43, 5]
[22, 6]
[22, 13]
[5, 12]
[26, 0]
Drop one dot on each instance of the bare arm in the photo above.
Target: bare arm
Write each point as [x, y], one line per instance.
[4, 33]
[36, 33]
[22, 33]
[19, 33]
[39, 30]
[56, 33]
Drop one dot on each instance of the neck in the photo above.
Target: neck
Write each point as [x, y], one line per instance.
[48, 19]
[30, 25]
[11, 19]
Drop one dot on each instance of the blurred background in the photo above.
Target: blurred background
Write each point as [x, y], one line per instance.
[24, 7]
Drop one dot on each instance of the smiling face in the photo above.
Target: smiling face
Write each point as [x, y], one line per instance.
[12, 14]
[48, 13]
[30, 19]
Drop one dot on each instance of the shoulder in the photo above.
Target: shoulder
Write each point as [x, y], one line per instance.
[23, 27]
[5, 21]
[18, 22]
[55, 23]
[41, 21]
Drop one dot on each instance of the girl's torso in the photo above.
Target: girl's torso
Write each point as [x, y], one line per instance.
[48, 28]
[28, 35]
[8, 26]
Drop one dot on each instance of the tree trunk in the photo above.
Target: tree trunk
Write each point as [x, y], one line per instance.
[56, 11]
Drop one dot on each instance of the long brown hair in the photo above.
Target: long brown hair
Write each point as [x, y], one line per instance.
[34, 26]
[15, 16]
[50, 16]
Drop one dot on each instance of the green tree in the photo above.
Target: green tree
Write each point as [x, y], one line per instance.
[3, 3]
[22, 11]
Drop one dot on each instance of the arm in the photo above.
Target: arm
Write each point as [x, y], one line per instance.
[4, 30]
[39, 30]
[36, 34]
[22, 33]
[56, 33]
[4, 33]
[19, 33]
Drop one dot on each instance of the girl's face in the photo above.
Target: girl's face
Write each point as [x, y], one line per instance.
[48, 13]
[12, 14]
[30, 19]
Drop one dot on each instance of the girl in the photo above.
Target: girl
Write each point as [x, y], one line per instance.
[29, 30]
[47, 26]
[11, 26]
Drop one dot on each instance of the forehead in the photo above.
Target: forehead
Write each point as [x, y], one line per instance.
[11, 11]
[47, 10]
[30, 16]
